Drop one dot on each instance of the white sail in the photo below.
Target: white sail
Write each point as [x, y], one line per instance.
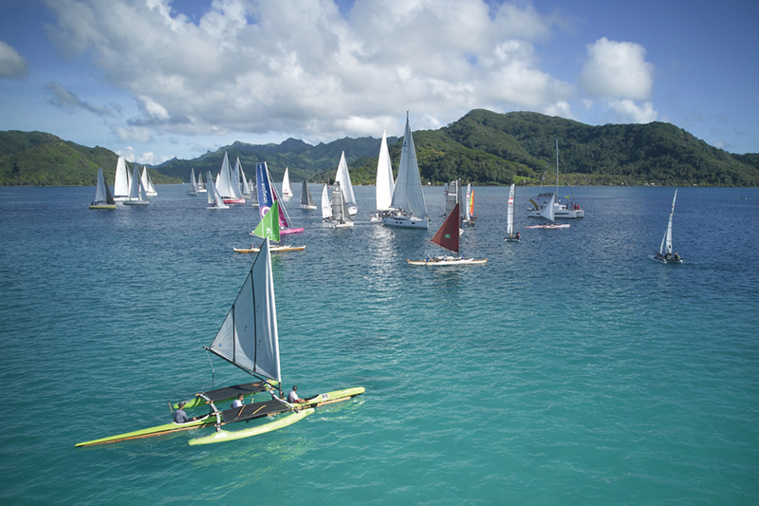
[201, 185]
[193, 184]
[248, 338]
[101, 196]
[121, 183]
[452, 195]
[548, 210]
[666, 242]
[245, 187]
[147, 183]
[385, 184]
[326, 205]
[510, 213]
[226, 185]
[287, 191]
[214, 198]
[467, 203]
[306, 200]
[344, 178]
[136, 190]
[408, 194]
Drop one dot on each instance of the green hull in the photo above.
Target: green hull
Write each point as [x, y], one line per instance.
[167, 428]
[158, 430]
[222, 436]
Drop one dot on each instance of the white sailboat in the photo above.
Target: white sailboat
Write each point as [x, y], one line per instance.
[201, 185]
[510, 235]
[245, 187]
[548, 212]
[340, 215]
[214, 198]
[408, 207]
[103, 196]
[344, 178]
[193, 184]
[666, 253]
[122, 181]
[570, 210]
[384, 184]
[306, 200]
[287, 190]
[326, 205]
[137, 195]
[147, 183]
[227, 186]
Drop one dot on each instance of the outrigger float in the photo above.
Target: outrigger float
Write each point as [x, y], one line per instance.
[248, 339]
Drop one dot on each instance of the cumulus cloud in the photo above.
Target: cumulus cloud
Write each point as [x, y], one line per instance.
[306, 69]
[12, 64]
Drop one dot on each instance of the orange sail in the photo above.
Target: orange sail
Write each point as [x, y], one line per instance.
[447, 236]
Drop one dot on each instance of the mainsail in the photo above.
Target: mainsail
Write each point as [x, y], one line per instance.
[385, 183]
[344, 178]
[408, 194]
[122, 182]
[447, 236]
[306, 200]
[510, 213]
[268, 227]
[326, 206]
[214, 198]
[248, 338]
[666, 242]
[227, 186]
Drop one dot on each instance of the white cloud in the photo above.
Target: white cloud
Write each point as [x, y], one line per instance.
[617, 70]
[301, 68]
[628, 109]
[67, 100]
[12, 64]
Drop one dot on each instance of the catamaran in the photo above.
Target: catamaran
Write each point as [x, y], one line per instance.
[547, 212]
[267, 195]
[147, 183]
[665, 253]
[340, 215]
[448, 237]
[570, 210]
[227, 186]
[122, 182]
[103, 196]
[344, 178]
[248, 339]
[408, 209]
[287, 190]
[193, 191]
[510, 235]
[385, 185]
[137, 196]
[214, 199]
[306, 200]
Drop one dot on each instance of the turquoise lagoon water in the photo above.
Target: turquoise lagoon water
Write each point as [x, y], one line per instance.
[568, 369]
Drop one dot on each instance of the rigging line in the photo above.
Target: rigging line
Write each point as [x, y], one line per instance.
[213, 371]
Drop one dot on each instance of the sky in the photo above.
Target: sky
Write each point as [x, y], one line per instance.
[156, 79]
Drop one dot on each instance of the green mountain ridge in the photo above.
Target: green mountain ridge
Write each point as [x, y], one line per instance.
[482, 147]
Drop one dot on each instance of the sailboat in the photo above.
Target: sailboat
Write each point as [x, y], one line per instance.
[408, 207]
[510, 235]
[344, 178]
[147, 183]
[385, 185]
[137, 196]
[214, 198]
[306, 200]
[248, 339]
[245, 187]
[193, 184]
[287, 190]
[665, 253]
[103, 196]
[340, 216]
[547, 212]
[227, 186]
[469, 218]
[122, 181]
[569, 210]
[201, 185]
[447, 237]
[268, 228]
[326, 205]
[267, 195]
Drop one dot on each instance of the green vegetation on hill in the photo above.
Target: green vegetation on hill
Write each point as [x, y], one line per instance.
[482, 147]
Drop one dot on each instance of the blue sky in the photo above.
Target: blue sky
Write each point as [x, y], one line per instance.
[157, 79]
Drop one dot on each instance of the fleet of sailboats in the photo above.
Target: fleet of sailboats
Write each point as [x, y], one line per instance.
[214, 197]
[408, 209]
[228, 185]
[666, 252]
[137, 195]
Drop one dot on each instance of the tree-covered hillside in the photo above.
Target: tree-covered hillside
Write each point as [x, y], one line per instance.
[482, 147]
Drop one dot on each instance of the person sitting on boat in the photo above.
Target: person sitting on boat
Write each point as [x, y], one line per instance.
[238, 402]
[293, 398]
[677, 257]
[180, 416]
